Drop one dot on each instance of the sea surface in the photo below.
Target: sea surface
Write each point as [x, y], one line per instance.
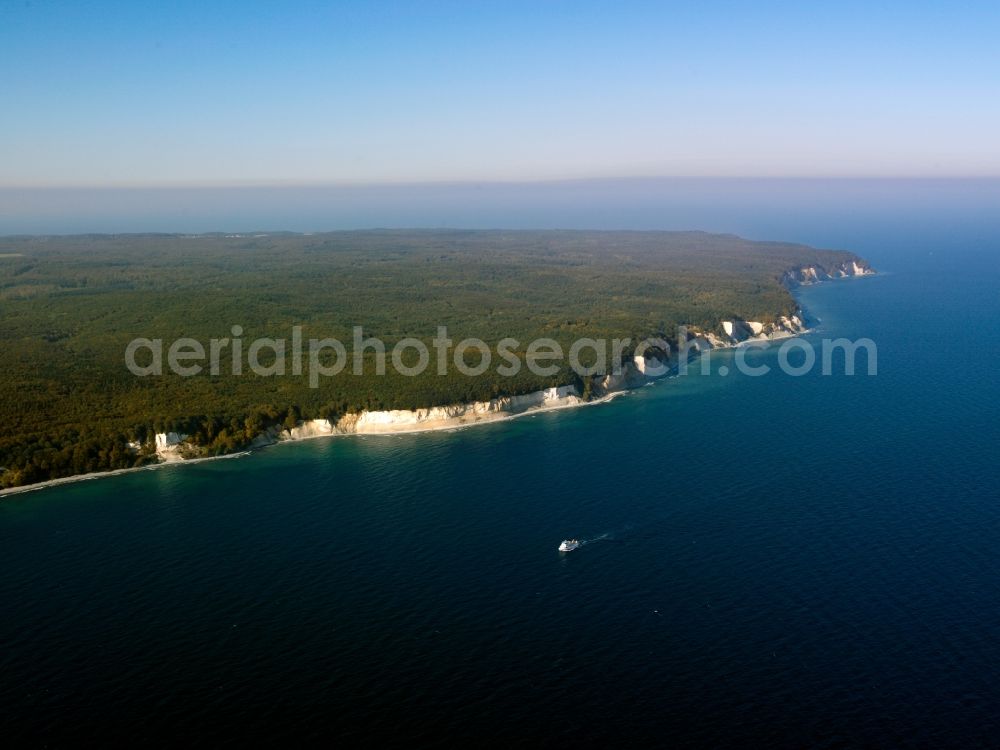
[794, 561]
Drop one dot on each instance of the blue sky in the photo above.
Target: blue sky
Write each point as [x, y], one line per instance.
[220, 93]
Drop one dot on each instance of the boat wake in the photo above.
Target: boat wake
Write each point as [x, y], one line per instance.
[608, 536]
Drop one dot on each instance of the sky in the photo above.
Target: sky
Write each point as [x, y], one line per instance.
[105, 94]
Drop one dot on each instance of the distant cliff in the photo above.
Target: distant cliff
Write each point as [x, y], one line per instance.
[814, 273]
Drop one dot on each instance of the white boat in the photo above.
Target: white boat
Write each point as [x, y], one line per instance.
[569, 545]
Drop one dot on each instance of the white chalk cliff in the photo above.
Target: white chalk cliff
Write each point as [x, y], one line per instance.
[169, 446]
[456, 415]
[737, 331]
[815, 273]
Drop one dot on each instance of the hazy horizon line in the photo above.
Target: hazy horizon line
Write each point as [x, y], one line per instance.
[349, 183]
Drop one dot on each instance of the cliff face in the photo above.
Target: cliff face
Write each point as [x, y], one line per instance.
[402, 420]
[816, 273]
[635, 373]
[737, 331]
[169, 446]
[455, 415]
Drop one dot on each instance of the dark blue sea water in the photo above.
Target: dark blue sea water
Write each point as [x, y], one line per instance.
[790, 561]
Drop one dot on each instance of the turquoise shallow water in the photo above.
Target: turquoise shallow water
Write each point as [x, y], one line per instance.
[807, 560]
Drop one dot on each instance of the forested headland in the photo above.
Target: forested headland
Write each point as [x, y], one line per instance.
[70, 306]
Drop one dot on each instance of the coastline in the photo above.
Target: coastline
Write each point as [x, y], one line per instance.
[113, 473]
[286, 437]
[553, 399]
[499, 418]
